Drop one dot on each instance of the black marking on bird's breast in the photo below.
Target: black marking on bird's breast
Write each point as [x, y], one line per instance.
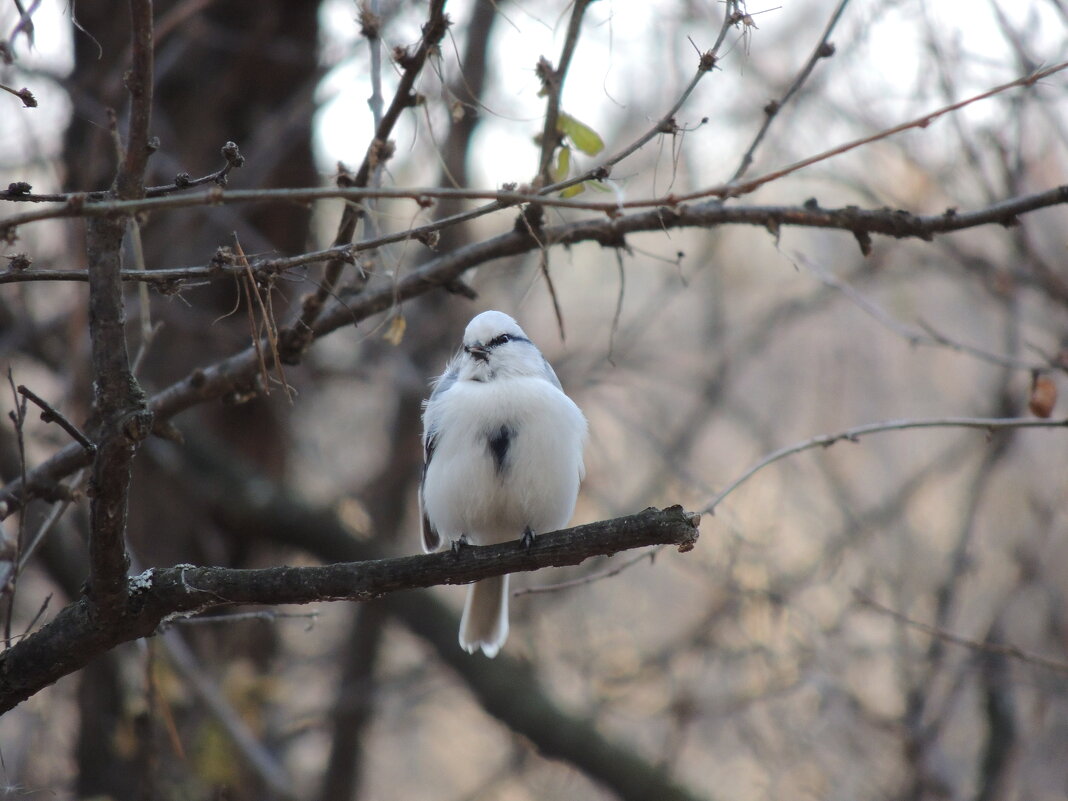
[499, 441]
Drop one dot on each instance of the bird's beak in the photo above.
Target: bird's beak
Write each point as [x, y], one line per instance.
[478, 352]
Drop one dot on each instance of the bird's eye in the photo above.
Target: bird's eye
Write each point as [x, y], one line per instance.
[500, 339]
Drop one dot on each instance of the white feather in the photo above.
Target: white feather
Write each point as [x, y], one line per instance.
[504, 455]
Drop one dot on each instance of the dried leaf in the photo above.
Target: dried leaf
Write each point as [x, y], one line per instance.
[395, 332]
[1043, 396]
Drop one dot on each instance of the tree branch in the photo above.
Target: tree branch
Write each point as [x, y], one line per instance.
[119, 403]
[988, 424]
[733, 189]
[552, 81]
[139, 79]
[824, 49]
[861, 222]
[238, 501]
[20, 190]
[295, 339]
[76, 635]
[236, 373]
[991, 645]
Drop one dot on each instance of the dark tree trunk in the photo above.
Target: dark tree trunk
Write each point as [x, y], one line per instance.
[241, 71]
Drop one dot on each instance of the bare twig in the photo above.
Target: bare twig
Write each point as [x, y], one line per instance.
[50, 414]
[543, 263]
[24, 25]
[147, 338]
[130, 180]
[988, 424]
[20, 191]
[18, 418]
[267, 322]
[54, 514]
[552, 81]
[590, 578]
[925, 334]
[669, 213]
[370, 26]
[618, 314]
[706, 62]
[988, 646]
[255, 753]
[295, 338]
[824, 49]
[168, 280]
[23, 94]
[733, 189]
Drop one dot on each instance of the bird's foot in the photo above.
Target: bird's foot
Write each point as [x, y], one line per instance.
[459, 544]
[527, 540]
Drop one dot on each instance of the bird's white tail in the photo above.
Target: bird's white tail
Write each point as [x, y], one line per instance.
[485, 621]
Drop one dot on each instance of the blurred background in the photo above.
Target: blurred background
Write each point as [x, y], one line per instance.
[781, 657]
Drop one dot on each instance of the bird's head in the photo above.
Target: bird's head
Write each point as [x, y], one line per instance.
[495, 345]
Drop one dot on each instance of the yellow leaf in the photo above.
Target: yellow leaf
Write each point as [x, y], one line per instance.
[571, 191]
[214, 759]
[563, 164]
[583, 136]
[395, 333]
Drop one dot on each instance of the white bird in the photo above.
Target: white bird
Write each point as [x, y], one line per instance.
[502, 448]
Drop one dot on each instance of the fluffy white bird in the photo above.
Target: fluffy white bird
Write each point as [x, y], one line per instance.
[503, 448]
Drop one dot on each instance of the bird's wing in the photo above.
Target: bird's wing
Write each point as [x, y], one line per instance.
[431, 537]
[550, 374]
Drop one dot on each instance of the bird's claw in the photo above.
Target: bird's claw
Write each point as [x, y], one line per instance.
[527, 540]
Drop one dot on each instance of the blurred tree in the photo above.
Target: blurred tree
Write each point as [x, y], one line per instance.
[874, 620]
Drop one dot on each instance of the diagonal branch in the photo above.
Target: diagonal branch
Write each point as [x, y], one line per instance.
[733, 189]
[295, 338]
[824, 49]
[552, 81]
[992, 646]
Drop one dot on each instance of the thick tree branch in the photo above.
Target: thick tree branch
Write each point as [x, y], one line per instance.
[861, 222]
[76, 635]
[238, 503]
[139, 78]
[119, 404]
